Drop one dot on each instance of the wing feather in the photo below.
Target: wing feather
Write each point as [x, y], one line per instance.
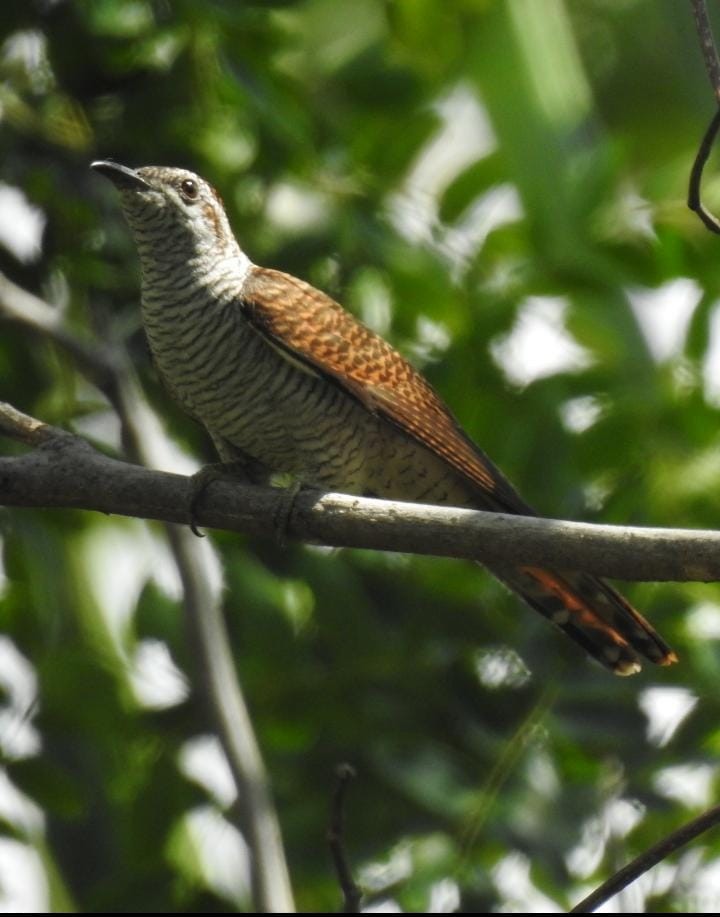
[312, 328]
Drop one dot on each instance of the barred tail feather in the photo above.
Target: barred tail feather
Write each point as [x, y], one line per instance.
[592, 614]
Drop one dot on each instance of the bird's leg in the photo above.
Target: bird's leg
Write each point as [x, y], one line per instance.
[235, 465]
[281, 522]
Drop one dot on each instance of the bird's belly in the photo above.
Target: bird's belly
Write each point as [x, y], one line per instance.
[294, 421]
[325, 437]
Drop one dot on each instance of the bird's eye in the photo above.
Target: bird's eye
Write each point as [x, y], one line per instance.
[189, 189]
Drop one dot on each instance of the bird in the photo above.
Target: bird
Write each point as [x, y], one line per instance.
[286, 381]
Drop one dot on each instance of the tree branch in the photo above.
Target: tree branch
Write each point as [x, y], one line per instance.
[21, 306]
[352, 896]
[101, 365]
[271, 889]
[707, 44]
[65, 471]
[16, 425]
[270, 883]
[712, 65]
[694, 191]
[648, 859]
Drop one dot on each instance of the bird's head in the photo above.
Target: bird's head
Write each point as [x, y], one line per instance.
[171, 211]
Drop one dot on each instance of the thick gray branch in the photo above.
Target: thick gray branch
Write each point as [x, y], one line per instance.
[64, 471]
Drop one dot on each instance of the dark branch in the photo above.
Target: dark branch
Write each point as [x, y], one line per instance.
[647, 860]
[694, 190]
[352, 896]
[712, 65]
[707, 44]
[66, 472]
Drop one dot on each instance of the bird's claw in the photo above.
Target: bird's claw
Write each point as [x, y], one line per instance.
[203, 478]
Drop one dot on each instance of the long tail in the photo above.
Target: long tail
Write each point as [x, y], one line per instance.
[592, 614]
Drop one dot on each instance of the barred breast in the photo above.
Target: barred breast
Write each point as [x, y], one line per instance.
[274, 409]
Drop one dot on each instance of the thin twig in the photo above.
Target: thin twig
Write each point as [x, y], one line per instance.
[352, 896]
[647, 860]
[22, 427]
[694, 190]
[505, 764]
[712, 65]
[707, 44]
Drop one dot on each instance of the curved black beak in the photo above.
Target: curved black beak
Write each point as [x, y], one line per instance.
[121, 176]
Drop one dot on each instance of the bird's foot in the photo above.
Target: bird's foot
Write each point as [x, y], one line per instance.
[201, 480]
[283, 514]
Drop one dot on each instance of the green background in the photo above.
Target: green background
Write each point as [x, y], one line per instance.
[449, 170]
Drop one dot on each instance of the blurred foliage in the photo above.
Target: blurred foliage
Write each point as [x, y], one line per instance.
[443, 168]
